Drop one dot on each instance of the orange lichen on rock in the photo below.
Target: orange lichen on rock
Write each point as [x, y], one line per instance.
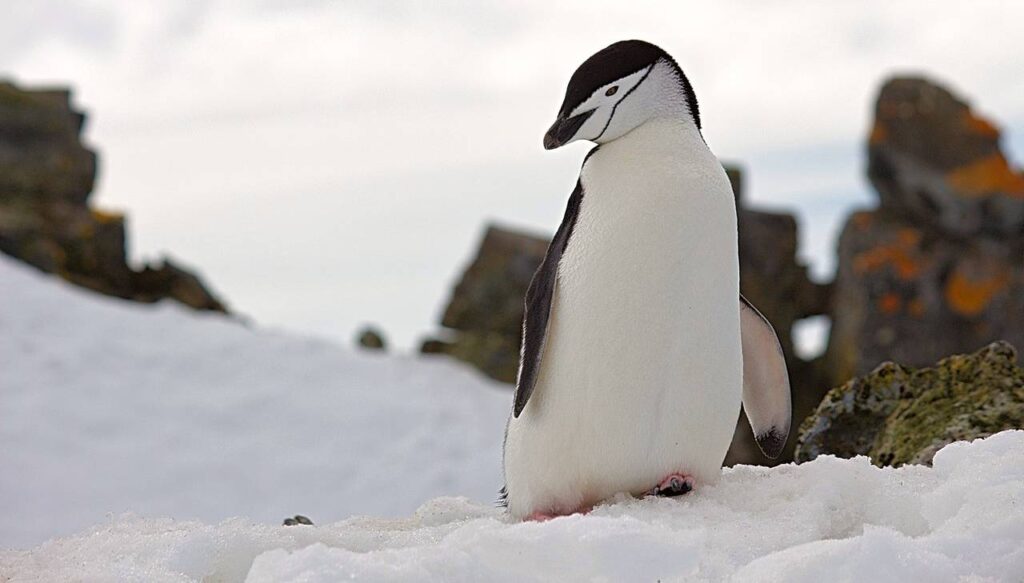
[902, 255]
[862, 219]
[989, 175]
[889, 303]
[969, 296]
[106, 217]
[878, 134]
[980, 125]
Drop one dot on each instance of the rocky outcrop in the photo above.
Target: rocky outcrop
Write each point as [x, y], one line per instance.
[46, 177]
[937, 163]
[898, 415]
[938, 267]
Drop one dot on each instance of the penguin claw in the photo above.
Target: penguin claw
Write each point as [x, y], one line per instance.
[673, 485]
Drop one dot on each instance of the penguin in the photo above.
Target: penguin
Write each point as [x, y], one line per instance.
[637, 347]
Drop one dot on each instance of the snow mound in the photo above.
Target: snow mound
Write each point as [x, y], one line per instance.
[827, 520]
[109, 406]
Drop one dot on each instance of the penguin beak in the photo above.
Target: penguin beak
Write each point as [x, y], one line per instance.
[564, 129]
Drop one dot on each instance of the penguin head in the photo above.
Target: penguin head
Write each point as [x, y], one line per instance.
[619, 88]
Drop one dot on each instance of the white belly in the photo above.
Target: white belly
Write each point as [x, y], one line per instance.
[642, 371]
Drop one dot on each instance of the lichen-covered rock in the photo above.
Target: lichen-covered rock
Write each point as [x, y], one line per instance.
[938, 268]
[937, 163]
[906, 294]
[46, 177]
[899, 415]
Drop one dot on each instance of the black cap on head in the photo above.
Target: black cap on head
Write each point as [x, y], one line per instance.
[617, 61]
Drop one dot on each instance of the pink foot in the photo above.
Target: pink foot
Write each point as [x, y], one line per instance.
[673, 485]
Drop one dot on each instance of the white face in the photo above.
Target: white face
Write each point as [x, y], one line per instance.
[616, 108]
[605, 103]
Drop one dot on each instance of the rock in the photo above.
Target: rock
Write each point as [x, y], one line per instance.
[774, 280]
[46, 177]
[434, 346]
[168, 280]
[486, 308]
[938, 268]
[938, 164]
[900, 415]
[904, 293]
[371, 339]
[41, 155]
[489, 296]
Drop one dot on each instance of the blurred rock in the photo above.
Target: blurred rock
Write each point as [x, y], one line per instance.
[372, 339]
[486, 307]
[938, 268]
[168, 280]
[898, 415]
[40, 153]
[937, 164]
[433, 346]
[489, 296]
[46, 177]
[904, 293]
[775, 281]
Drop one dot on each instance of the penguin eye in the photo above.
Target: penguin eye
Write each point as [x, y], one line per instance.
[612, 90]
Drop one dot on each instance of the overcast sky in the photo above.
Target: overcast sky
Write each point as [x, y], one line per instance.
[325, 164]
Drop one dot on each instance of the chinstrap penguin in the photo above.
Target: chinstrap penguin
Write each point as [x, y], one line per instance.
[637, 346]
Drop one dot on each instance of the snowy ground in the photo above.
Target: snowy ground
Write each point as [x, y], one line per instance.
[107, 406]
[828, 520]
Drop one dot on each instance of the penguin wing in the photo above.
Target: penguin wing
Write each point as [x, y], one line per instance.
[766, 397]
[539, 298]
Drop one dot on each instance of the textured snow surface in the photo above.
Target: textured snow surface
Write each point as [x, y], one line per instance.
[108, 406]
[828, 520]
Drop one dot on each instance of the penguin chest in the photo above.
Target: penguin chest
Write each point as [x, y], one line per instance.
[647, 297]
[641, 373]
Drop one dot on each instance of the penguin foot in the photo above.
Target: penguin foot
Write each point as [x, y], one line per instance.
[673, 485]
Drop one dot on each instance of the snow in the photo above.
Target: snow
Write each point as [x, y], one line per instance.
[107, 406]
[827, 520]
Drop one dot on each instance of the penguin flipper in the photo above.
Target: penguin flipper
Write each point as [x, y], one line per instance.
[539, 298]
[766, 395]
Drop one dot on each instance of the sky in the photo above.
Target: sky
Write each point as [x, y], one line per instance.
[326, 164]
